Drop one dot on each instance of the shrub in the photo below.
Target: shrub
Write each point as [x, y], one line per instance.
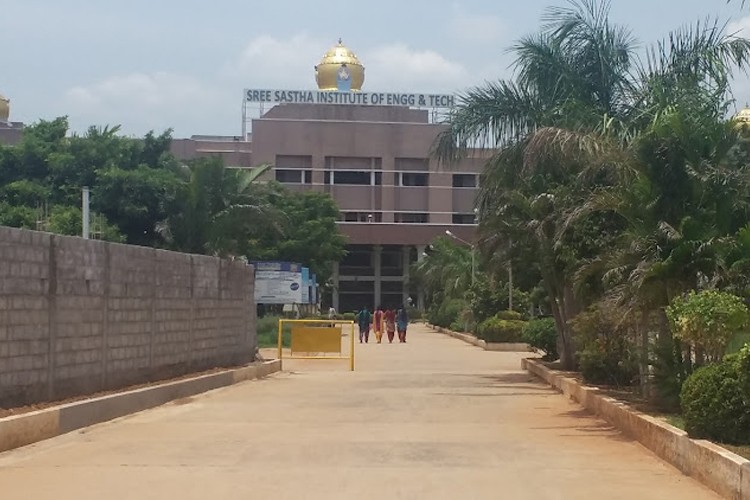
[541, 334]
[708, 320]
[500, 330]
[743, 367]
[486, 298]
[457, 326]
[349, 316]
[606, 355]
[446, 313]
[414, 314]
[510, 315]
[715, 405]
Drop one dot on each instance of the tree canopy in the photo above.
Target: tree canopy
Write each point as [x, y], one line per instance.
[142, 195]
[616, 175]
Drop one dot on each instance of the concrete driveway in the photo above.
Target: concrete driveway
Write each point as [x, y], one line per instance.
[431, 419]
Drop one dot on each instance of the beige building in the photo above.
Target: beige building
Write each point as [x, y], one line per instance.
[375, 162]
[10, 132]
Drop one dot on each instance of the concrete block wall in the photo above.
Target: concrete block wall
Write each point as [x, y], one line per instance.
[80, 316]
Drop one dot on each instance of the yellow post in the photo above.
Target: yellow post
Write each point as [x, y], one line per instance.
[351, 350]
[281, 331]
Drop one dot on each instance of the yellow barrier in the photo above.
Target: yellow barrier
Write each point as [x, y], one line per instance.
[325, 338]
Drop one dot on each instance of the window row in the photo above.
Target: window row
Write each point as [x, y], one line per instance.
[403, 217]
[371, 178]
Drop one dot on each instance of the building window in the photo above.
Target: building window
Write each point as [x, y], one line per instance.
[289, 176]
[361, 216]
[414, 179]
[411, 218]
[308, 176]
[352, 178]
[464, 219]
[464, 180]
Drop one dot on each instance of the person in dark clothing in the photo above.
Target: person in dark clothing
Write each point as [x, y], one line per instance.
[402, 320]
[364, 318]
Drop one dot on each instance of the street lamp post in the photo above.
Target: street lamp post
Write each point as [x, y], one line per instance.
[471, 245]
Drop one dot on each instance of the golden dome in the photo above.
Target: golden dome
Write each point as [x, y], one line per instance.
[4, 108]
[340, 70]
[742, 122]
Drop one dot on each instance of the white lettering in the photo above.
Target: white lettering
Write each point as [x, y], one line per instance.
[353, 98]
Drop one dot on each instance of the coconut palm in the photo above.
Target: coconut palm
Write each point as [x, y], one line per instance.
[583, 116]
[446, 270]
[217, 208]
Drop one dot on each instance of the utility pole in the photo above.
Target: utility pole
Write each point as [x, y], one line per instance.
[85, 210]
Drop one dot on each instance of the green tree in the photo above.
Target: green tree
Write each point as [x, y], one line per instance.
[585, 122]
[216, 209]
[136, 200]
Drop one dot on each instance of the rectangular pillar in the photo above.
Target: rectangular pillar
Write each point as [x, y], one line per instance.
[377, 264]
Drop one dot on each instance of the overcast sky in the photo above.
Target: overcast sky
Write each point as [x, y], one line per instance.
[152, 65]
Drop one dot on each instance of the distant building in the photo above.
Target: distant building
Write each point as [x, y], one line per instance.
[10, 132]
[373, 159]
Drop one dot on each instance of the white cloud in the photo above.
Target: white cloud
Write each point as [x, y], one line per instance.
[740, 27]
[399, 67]
[474, 27]
[271, 62]
[143, 101]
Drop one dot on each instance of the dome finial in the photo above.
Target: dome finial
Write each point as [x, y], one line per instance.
[4, 108]
[340, 70]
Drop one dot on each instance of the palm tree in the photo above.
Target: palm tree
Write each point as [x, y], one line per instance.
[218, 206]
[582, 117]
[446, 272]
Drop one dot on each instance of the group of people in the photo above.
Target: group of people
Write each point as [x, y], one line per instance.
[381, 321]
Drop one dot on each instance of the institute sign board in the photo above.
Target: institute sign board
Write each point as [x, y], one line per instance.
[357, 98]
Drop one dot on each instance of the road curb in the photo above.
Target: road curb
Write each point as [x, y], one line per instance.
[27, 428]
[492, 346]
[721, 470]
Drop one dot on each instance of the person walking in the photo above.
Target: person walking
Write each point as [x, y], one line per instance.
[377, 324]
[402, 320]
[363, 319]
[390, 324]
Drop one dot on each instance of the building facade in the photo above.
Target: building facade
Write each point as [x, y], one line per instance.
[375, 161]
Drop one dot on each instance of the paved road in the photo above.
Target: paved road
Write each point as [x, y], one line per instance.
[431, 419]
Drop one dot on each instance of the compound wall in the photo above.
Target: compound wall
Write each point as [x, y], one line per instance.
[80, 316]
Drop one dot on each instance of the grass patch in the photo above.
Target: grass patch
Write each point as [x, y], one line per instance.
[676, 421]
[268, 332]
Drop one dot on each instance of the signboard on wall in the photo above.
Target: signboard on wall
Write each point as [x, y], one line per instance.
[278, 283]
[357, 98]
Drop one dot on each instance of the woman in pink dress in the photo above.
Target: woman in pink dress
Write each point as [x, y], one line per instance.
[390, 324]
